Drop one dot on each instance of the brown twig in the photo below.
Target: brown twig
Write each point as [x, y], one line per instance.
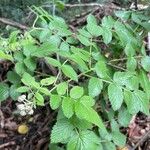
[7, 144]
[13, 23]
[141, 140]
[1, 119]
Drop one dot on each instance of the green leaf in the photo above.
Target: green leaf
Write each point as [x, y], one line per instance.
[64, 46]
[85, 33]
[136, 101]
[145, 62]
[84, 40]
[62, 88]
[119, 138]
[129, 50]
[124, 117]
[53, 62]
[115, 96]
[107, 35]
[69, 72]
[23, 89]
[55, 101]
[29, 48]
[20, 68]
[123, 14]
[108, 146]
[95, 30]
[76, 92]
[4, 91]
[44, 35]
[39, 99]
[101, 69]
[62, 131]
[44, 91]
[77, 58]
[48, 81]
[131, 64]
[145, 83]
[84, 140]
[13, 77]
[5, 56]
[67, 107]
[19, 56]
[121, 78]
[30, 63]
[45, 49]
[91, 19]
[28, 80]
[85, 112]
[95, 86]
[107, 22]
[14, 94]
[87, 100]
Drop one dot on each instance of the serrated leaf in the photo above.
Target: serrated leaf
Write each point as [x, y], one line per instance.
[45, 49]
[85, 33]
[107, 35]
[85, 112]
[95, 30]
[55, 101]
[19, 56]
[129, 50]
[131, 64]
[101, 69]
[87, 100]
[95, 86]
[77, 58]
[108, 146]
[30, 63]
[62, 88]
[64, 46]
[20, 68]
[39, 99]
[62, 131]
[13, 77]
[91, 19]
[121, 78]
[84, 140]
[145, 83]
[145, 62]
[107, 22]
[119, 138]
[69, 72]
[44, 91]
[28, 80]
[68, 107]
[53, 62]
[136, 101]
[123, 14]
[23, 89]
[115, 95]
[48, 81]
[124, 117]
[76, 92]
[4, 91]
[84, 40]
[14, 94]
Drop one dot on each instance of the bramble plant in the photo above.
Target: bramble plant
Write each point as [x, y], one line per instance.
[93, 76]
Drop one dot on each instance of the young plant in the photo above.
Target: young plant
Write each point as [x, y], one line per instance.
[95, 75]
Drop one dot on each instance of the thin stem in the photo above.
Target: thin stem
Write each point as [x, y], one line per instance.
[122, 59]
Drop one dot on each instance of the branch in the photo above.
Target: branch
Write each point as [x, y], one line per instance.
[88, 5]
[13, 23]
